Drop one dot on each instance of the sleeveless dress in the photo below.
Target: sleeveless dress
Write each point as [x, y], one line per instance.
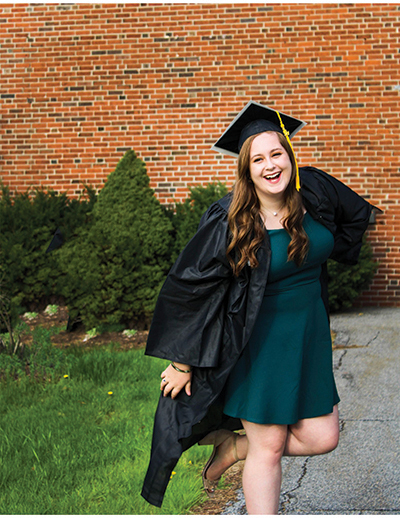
[285, 371]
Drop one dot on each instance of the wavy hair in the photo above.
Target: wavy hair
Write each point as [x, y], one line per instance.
[245, 223]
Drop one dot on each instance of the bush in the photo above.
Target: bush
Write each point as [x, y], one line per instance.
[118, 249]
[114, 268]
[27, 223]
[347, 282]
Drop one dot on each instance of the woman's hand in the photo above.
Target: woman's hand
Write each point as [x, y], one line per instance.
[172, 381]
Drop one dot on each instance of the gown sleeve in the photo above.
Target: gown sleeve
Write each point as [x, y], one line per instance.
[187, 324]
[349, 214]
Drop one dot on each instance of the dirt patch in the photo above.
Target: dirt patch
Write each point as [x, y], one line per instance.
[224, 494]
[79, 336]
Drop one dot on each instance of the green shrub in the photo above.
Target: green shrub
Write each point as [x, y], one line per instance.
[118, 249]
[114, 268]
[347, 282]
[27, 223]
[187, 215]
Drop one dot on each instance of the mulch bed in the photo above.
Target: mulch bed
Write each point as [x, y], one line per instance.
[78, 337]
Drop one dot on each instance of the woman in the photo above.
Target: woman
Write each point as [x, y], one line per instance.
[243, 317]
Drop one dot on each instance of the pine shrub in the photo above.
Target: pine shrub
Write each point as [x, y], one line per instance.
[114, 268]
[27, 224]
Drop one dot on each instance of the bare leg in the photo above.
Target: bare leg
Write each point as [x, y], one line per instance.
[307, 437]
[267, 444]
[262, 472]
[263, 447]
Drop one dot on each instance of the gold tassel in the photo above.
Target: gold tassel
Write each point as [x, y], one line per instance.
[286, 133]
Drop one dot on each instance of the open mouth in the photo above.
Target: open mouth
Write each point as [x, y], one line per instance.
[274, 176]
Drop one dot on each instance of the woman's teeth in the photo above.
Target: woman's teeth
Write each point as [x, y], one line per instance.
[272, 176]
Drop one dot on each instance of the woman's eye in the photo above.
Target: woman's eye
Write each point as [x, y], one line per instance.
[275, 155]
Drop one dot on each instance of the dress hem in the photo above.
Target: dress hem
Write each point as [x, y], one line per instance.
[291, 422]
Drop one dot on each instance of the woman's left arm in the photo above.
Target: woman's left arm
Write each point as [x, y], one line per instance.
[347, 211]
[352, 215]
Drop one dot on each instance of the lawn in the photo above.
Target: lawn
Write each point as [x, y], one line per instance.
[78, 441]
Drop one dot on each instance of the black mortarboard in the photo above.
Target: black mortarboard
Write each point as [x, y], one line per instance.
[254, 118]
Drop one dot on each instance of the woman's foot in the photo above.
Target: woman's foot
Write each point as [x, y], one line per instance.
[224, 455]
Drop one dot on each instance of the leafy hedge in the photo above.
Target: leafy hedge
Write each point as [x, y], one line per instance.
[118, 248]
[28, 221]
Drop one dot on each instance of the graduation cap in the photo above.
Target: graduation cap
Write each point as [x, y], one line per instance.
[253, 119]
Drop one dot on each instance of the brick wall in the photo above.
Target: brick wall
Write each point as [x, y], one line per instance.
[83, 83]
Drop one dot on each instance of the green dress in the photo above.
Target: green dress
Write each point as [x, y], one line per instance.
[285, 372]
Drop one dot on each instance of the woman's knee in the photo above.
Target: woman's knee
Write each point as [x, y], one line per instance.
[268, 455]
[315, 435]
[266, 442]
[327, 442]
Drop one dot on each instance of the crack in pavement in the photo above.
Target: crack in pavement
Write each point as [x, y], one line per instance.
[340, 361]
[373, 339]
[288, 496]
[346, 340]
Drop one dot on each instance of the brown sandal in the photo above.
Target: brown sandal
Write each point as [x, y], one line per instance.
[216, 438]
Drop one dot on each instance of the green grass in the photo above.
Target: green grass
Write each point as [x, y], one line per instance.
[67, 446]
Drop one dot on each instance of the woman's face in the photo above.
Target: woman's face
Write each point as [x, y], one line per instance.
[270, 166]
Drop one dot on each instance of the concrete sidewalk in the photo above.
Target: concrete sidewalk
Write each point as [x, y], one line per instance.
[362, 476]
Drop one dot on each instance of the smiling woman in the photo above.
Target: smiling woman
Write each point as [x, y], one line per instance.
[266, 185]
[243, 317]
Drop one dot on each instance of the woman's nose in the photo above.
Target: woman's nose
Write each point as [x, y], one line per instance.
[269, 165]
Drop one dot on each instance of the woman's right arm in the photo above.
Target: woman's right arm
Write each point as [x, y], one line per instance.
[175, 378]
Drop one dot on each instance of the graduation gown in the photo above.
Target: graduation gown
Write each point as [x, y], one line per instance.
[204, 316]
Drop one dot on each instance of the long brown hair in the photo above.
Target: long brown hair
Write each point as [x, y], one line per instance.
[245, 223]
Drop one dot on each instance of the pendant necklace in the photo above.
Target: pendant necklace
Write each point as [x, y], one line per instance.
[274, 213]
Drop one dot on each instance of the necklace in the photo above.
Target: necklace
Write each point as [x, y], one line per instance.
[275, 213]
